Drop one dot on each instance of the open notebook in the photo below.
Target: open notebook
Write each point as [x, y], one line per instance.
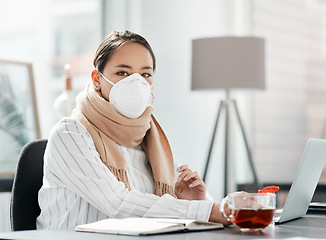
[146, 226]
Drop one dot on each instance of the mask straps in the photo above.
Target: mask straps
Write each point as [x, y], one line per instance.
[152, 99]
[106, 78]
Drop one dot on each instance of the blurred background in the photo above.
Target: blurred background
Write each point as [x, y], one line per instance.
[279, 120]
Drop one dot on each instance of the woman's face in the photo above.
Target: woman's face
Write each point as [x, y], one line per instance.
[130, 58]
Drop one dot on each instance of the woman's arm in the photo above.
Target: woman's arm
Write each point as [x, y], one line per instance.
[73, 162]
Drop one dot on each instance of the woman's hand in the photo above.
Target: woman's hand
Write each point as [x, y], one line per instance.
[216, 215]
[189, 185]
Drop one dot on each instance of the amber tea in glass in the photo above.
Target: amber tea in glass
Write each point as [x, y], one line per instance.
[250, 212]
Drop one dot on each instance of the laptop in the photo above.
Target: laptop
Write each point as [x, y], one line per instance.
[305, 182]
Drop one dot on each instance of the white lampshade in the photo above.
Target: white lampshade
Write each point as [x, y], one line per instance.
[228, 62]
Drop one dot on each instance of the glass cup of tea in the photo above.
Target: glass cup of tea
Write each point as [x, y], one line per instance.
[250, 212]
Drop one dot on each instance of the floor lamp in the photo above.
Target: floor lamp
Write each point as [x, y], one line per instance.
[228, 63]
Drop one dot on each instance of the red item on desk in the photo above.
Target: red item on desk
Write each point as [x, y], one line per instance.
[269, 189]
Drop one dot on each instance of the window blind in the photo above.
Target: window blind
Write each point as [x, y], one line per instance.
[293, 107]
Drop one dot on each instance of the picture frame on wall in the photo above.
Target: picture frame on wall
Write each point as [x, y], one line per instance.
[19, 121]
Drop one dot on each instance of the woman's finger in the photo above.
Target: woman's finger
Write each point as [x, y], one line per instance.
[182, 168]
[194, 175]
[197, 183]
[183, 174]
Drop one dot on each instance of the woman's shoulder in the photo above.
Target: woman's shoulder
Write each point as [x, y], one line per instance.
[69, 126]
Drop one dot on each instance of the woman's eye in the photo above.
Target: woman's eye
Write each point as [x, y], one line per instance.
[122, 73]
[146, 75]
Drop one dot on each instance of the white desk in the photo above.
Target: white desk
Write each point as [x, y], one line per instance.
[313, 226]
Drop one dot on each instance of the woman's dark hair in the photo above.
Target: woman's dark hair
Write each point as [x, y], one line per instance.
[113, 41]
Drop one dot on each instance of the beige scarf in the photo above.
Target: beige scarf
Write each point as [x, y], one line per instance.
[107, 128]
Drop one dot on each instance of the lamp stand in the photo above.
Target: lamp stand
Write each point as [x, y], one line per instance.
[225, 105]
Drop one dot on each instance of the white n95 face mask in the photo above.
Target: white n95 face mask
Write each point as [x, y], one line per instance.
[131, 95]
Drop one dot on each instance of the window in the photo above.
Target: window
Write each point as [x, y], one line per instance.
[50, 35]
[292, 109]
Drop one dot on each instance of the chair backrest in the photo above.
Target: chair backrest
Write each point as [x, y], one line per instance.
[24, 208]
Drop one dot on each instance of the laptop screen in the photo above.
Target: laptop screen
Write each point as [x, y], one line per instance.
[305, 180]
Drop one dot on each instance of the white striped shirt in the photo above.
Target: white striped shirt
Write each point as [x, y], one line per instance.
[78, 188]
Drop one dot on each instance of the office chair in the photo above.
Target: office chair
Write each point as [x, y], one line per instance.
[24, 208]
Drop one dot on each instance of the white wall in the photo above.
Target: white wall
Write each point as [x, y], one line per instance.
[4, 212]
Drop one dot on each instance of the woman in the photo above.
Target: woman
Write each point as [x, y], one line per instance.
[111, 159]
